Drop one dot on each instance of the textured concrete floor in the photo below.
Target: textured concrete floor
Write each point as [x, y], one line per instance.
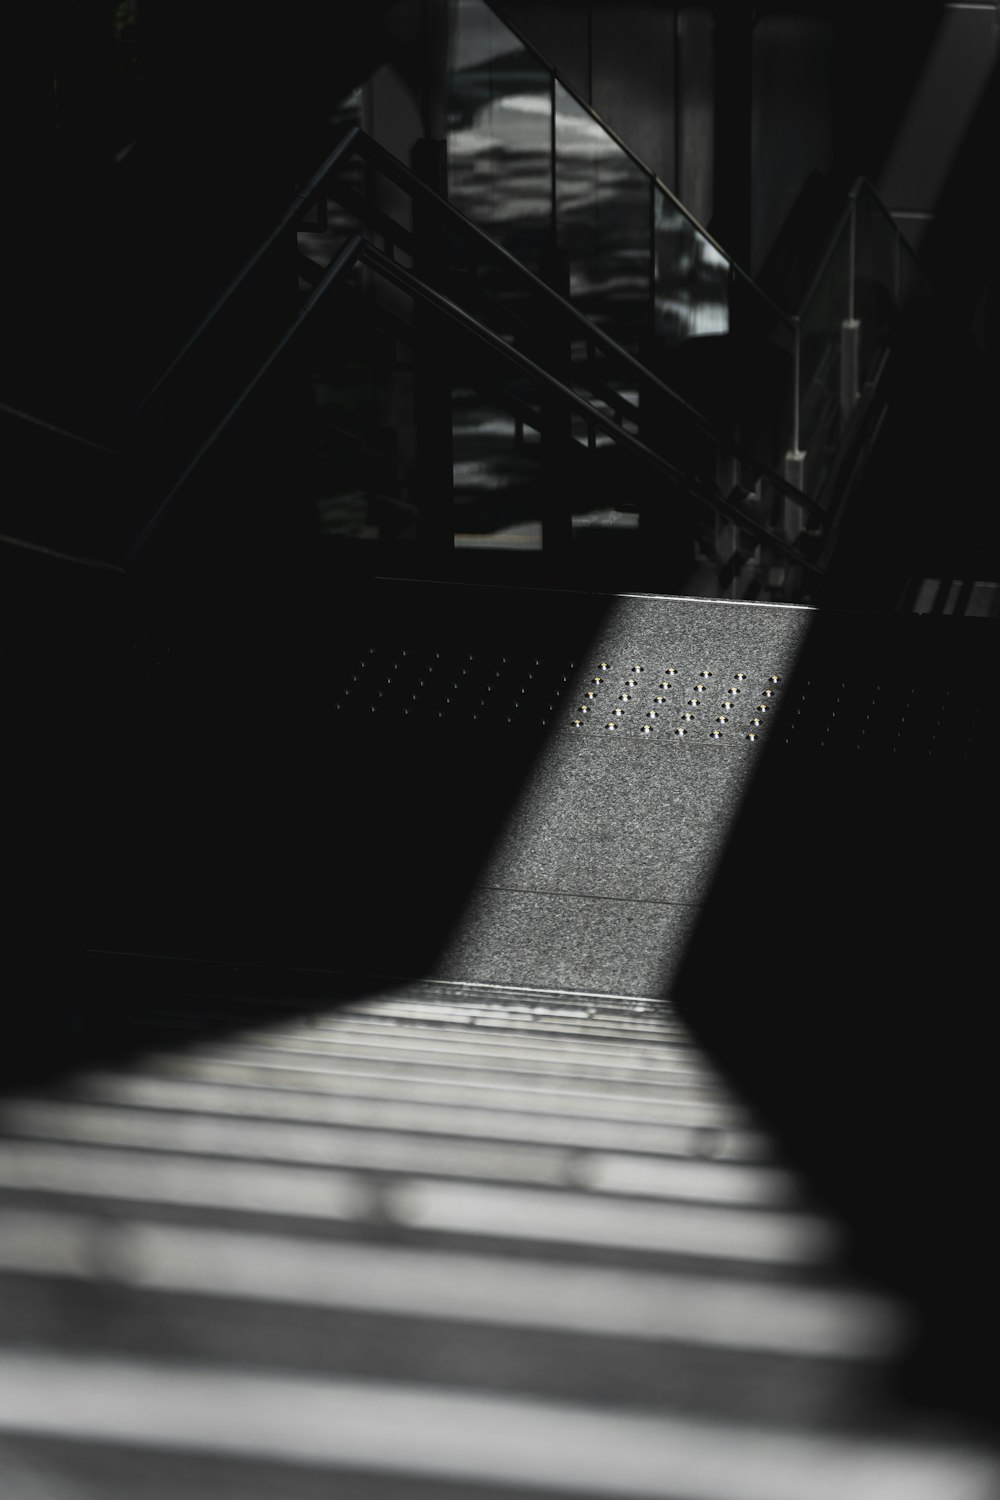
[610, 848]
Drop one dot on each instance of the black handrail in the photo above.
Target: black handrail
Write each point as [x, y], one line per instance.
[357, 250]
[53, 427]
[402, 177]
[100, 563]
[471, 327]
[78, 440]
[342, 262]
[637, 161]
[356, 140]
[298, 204]
[859, 185]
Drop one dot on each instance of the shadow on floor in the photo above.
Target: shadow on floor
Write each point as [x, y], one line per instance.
[854, 908]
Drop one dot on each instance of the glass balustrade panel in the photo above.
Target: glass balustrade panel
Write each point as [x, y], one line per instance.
[721, 346]
[604, 231]
[824, 369]
[603, 224]
[500, 133]
[877, 289]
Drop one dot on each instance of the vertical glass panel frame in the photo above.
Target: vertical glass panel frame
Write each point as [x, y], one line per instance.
[825, 313]
[764, 359]
[877, 290]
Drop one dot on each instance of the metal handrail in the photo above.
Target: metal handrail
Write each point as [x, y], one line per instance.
[865, 184]
[638, 161]
[859, 185]
[63, 432]
[342, 262]
[300, 202]
[843, 219]
[100, 563]
[80, 440]
[356, 140]
[402, 177]
[712, 498]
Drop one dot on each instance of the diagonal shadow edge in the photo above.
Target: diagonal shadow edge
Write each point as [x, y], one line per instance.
[840, 967]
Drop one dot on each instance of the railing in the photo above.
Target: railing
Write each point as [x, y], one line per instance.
[537, 165]
[65, 494]
[345, 258]
[533, 163]
[662, 337]
[487, 280]
[591, 416]
[866, 282]
[609, 395]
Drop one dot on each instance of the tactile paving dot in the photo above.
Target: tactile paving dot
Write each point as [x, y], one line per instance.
[722, 703]
[628, 693]
[453, 688]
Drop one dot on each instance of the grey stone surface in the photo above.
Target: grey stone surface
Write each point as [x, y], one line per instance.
[632, 819]
[545, 940]
[596, 876]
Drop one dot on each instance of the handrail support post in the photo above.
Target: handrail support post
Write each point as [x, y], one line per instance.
[434, 468]
[850, 329]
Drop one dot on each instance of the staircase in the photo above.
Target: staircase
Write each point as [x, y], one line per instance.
[475, 1040]
[468, 1239]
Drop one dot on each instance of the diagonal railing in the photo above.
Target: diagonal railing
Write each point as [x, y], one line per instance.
[608, 389]
[785, 460]
[772, 466]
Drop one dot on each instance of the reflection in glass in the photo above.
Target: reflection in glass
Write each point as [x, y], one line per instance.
[496, 477]
[692, 278]
[499, 133]
[603, 224]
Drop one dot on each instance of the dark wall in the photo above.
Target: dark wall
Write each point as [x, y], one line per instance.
[938, 176]
[793, 125]
[146, 145]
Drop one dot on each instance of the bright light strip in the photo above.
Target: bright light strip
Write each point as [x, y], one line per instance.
[434, 1206]
[651, 1307]
[388, 1151]
[463, 1437]
[450, 1119]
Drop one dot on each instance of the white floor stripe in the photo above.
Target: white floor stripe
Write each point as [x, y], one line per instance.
[465, 1437]
[716, 1312]
[329, 1145]
[437, 1206]
[452, 1119]
[580, 1219]
[672, 1070]
[402, 1085]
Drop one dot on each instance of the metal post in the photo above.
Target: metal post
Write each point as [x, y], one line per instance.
[433, 475]
[554, 354]
[652, 257]
[897, 270]
[850, 331]
[796, 393]
[794, 467]
[553, 226]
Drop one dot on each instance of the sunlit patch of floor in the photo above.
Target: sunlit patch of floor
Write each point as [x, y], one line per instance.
[490, 1239]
